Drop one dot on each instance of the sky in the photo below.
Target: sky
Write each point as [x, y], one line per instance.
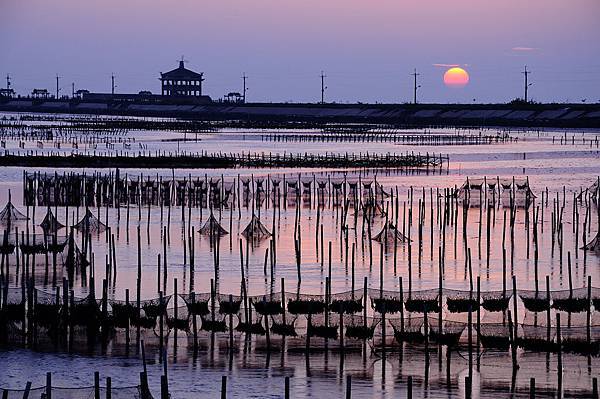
[367, 49]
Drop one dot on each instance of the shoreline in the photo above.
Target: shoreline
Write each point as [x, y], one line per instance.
[319, 115]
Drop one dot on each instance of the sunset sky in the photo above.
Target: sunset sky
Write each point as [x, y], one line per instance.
[366, 48]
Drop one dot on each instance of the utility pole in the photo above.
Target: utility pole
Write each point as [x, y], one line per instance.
[73, 90]
[527, 84]
[323, 87]
[57, 86]
[244, 77]
[7, 81]
[415, 87]
[112, 79]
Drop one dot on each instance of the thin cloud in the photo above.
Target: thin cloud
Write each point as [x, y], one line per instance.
[446, 65]
[523, 49]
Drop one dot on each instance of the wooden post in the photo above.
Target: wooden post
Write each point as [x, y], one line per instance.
[348, 387]
[108, 388]
[160, 323]
[231, 324]
[27, 389]
[194, 324]
[96, 385]
[164, 390]
[48, 385]
[532, 388]
[515, 317]
[224, 387]
[409, 386]
[467, 387]
[589, 314]
[559, 345]
[287, 388]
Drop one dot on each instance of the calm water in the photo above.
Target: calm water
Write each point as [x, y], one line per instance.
[254, 374]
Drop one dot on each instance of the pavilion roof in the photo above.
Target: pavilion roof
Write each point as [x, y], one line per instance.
[181, 73]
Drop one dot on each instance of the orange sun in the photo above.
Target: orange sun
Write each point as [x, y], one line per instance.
[456, 78]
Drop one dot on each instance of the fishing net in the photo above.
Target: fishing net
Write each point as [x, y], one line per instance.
[357, 327]
[267, 305]
[35, 246]
[50, 224]
[255, 230]
[450, 333]
[593, 245]
[197, 304]
[212, 228]
[536, 334]
[122, 312]
[495, 301]
[213, 325]
[306, 185]
[90, 223]
[571, 301]
[423, 301]
[84, 311]
[153, 308]
[389, 235]
[305, 304]
[384, 301]
[229, 304]
[178, 318]
[461, 301]
[10, 214]
[76, 260]
[494, 335]
[535, 301]
[253, 326]
[284, 326]
[323, 326]
[408, 329]
[575, 340]
[7, 244]
[134, 392]
[346, 302]
[42, 244]
[55, 244]
[47, 309]
[13, 303]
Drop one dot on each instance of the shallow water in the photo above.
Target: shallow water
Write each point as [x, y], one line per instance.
[251, 373]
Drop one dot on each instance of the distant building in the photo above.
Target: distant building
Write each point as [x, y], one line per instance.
[40, 93]
[10, 93]
[81, 92]
[233, 97]
[181, 82]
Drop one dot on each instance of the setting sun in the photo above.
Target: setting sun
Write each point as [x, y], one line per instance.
[456, 78]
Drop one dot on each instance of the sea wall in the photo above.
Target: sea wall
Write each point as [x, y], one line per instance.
[519, 115]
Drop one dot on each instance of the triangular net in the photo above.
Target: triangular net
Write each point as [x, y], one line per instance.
[50, 224]
[593, 245]
[389, 235]
[11, 214]
[212, 228]
[256, 230]
[90, 223]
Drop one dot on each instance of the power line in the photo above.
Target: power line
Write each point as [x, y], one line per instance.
[416, 86]
[527, 84]
[57, 85]
[323, 87]
[244, 77]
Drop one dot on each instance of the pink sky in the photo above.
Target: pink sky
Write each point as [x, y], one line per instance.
[367, 49]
